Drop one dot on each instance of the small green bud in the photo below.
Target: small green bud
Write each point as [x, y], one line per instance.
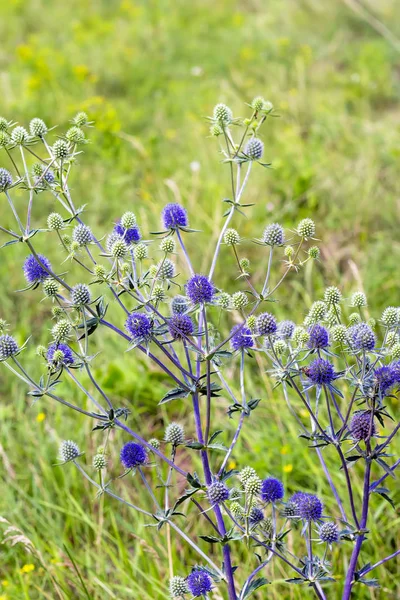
[61, 149]
[140, 252]
[159, 294]
[4, 139]
[99, 461]
[56, 312]
[280, 347]
[168, 245]
[300, 336]
[224, 300]
[41, 351]
[216, 130]
[222, 114]
[252, 323]
[339, 334]
[4, 124]
[332, 295]
[245, 474]
[371, 322]
[80, 119]
[306, 228]
[314, 252]
[253, 486]
[178, 587]
[236, 510]
[244, 264]
[289, 251]
[38, 128]
[175, 434]
[317, 312]
[154, 443]
[358, 300]
[75, 135]
[392, 338]
[75, 246]
[61, 330]
[128, 220]
[395, 351]
[55, 221]
[153, 270]
[119, 249]
[258, 103]
[100, 271]
[231, 237]
[20, 136]
[391, 316]
[239, 300]
[354, 319]
[50, 287]
[333, 315]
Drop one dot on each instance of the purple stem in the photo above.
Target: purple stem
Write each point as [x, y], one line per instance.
[376, 483]
[381, 562]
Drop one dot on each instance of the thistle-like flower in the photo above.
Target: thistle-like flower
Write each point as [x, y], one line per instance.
[174, 434]
[272, 490]
[200, 289]
[68, 451]
[273, 235]
[133, 455]
[174, 216]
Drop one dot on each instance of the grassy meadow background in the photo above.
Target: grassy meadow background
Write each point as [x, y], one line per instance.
[148, 72]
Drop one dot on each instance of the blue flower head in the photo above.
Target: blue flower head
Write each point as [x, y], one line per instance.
[256, 515]
[242, 339]
[362, 337]
[266, 324]
[385, 378]
[130, 235]
[200, 289]
[319, 337]
[361, 427]
[199, 583]
[68, 358]
[320, 371]
[139, 326]
[272, 490]
[180, 326]
[133, 455]
[33, 270]
[286, 329]
[395, 366]
[310, 507]
[173, 216]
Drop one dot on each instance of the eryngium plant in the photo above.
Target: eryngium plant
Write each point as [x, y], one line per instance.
[343, 367]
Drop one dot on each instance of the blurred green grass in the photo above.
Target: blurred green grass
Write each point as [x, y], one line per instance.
[148, 73]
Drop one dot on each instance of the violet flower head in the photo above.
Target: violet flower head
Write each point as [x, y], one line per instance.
[129, 235]
[395, 366]
[272, 490]
[242, 339]
[310, 507]
[385, 378]
[199, 583]
[33, 270]
[173, 216]
[266, 324]
[132, 455]
[329, 532]
[320, 371]
[286, 329]
[361, 427]
[139, 326]
[200, 289]
[319, 337]
[68, 356]
[217, 493]
[362, 337]
[180, 326]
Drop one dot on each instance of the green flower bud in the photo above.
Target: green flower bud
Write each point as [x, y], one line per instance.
[280, 347]
[224, 300]
[140, 252]
[175, 434]
[168, 245]
[38, 128]
[61, 149]
[391, 316]
[245, 474]
[258, 103]
[339, 334]
[314, 252]
[61, 330]
[306, 228]
[119, 249]
[395, 351]
[99, 461]
[244, 264]
[231, 237]
[239, 300]
[50, 287]
[332, 295]
[55, 221]
[80, 119]
[75, 135]
[358, 300]
[354, 319]
[253, 486]
[252, 323]
[222, 114]
[128, 220]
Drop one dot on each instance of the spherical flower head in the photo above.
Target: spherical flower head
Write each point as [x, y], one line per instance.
[180, 326]
[132, 455]
[200, 289]
[391, 316]
[241, 338]
[254, 149]
[8, 346]
[290, 510]
[178, 587]
[168, 245]
[280, 347]
[139, 326]
[61, 149]
[64, 354]
[166, 269]
[239, 300]
[253, 485]
[314, 252]
[320, 371]
[4, 124]
[231, 237]
[296, 499]
[129, 235]
[174, 434]
[140, 252]
[310, 507]
[4, 139]
[179, 305]
[360, 426]
[61, 330]
[252, 323]
[358, 300]
[392, 338]
[173, 216]
[216, 130]
[272, 490]
[333, 315]
[339, 334]
[33, 269]
[237, 510]
[286, 329]
[258, 103]
[273, 235]
[222, 114]
[245, 474]
[395, 366]
[159, 294]
[244, 264]
[55, 221]
[80, 119]
[301, 336]
[306, 228]
[329, 533]
[256, 516]
[362, 337]
[317, 311]
[119, 249]
[395, 351]
[354, 319]
[68, 451]
[154, 443]
[50, 287]
[20, 136]
[38, 128]
[75, 135]
[5, 179]
[224, 300]
[319, 337]
[385, 379]
[217, 492]
[82, 234]
[80, 294]
[332, 295]
[99, 461]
